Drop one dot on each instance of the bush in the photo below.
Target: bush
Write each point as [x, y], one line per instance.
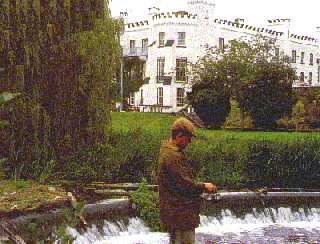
[270, 96]
[148, 205]
[285, 164]
[296, 120]
[211, 102]
[233, 120]
[220, 163]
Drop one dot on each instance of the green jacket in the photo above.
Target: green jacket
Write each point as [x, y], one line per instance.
[179, 194]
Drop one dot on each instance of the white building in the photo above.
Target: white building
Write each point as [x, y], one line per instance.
[167, 41]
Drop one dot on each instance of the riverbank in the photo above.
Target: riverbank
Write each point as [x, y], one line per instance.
[22, 197]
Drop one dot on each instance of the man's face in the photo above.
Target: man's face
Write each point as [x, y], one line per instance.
[183, 141]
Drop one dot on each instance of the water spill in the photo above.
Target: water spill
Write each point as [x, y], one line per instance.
[269, 225]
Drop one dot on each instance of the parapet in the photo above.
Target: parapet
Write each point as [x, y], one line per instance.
[138, 24]
[248, 27]
[179, 14]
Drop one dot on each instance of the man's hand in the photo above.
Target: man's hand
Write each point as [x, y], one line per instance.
[210, 187]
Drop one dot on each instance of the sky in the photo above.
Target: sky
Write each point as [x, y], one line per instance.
[304, 15]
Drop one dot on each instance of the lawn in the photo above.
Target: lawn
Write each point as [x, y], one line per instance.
[161, 123]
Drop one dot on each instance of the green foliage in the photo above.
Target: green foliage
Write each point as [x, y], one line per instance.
[241, 68]
[4, 98]
[7, 96]
[147, 203]
[223, 156]
[285, 164]
[132, 77]
[270, 96]
[62, 57]
[296, 119]
[233, 120]
[211, 101]
[311, 101]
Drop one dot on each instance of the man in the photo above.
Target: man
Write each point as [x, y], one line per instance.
[179, 194]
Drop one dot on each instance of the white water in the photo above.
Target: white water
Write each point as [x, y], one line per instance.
[280, 225]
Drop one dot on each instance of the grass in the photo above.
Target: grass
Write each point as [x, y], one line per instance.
[161, 123]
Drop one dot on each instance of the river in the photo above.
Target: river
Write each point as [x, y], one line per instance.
[269, 225]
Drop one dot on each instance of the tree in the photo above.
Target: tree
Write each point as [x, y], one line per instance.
[238, 64]
[270, 96]
[132, 78]
[211, 101]
[61, 56]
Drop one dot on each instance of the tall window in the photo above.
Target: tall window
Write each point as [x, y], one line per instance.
[181, 69]
[301, 76]
[277, 52]
[141, 96]
[161, 38]
[302, 58]
[311, 58]
[181, 38]
[221, 43]
[310, 78]
[180, 97]
[132, 98]
[160, 69]
[160, 96]
[144, 45]
[132, 46]
[294, 56]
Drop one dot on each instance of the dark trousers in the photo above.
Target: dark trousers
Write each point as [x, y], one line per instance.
[182, 236]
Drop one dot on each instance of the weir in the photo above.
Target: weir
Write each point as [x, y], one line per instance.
[225, 216]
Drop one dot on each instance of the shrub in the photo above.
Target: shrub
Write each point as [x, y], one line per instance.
[233, 120]
[296, 120]
[285, 164]
[148, 205]
[211, 102]
[270, 96]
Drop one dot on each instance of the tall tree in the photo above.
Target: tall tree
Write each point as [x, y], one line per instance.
[61, 55]
[236, 65]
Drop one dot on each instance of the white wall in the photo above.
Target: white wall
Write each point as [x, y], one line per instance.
[201, 30]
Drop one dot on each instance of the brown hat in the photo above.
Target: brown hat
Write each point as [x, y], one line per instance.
[183, 125]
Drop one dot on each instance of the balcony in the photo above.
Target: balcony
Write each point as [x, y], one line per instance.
[135, 52]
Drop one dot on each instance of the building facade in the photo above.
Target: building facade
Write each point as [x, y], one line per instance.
[167, 41]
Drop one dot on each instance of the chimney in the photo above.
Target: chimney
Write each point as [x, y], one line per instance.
[280, 25]
[153, 11]
[124, 16]
[239, 21]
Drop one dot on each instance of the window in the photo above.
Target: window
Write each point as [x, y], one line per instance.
[318, 74]
[294, 56]
[310, 78]
[144, 45]
[132, 98]
[132, 46]
[161, 38]
[301, 76]
[311, 58]
[141, 96]
[221, 43]
[160, 96]
[180, 97]
[277, 52]
[160, 69]
[302, 58]
[181, 69]
[181, 38]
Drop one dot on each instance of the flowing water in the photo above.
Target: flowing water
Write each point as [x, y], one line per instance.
[269, 225]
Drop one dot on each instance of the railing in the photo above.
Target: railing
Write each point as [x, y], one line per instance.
[166, 80]
[135, 51]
